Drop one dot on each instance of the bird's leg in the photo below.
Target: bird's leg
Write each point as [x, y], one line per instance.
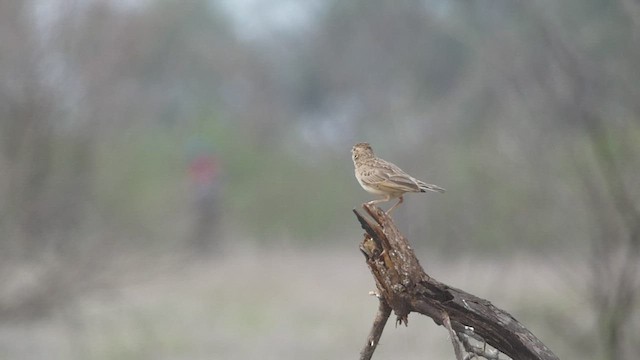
[394, 206]
[377, 201]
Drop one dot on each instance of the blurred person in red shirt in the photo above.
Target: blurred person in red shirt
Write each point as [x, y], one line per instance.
[204, 171]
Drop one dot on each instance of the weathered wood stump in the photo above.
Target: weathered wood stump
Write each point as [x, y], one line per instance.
[404, 287]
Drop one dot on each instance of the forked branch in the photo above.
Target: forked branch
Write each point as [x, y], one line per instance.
[404, 287]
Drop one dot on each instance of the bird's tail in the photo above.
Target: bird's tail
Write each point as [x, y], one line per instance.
[430, 187]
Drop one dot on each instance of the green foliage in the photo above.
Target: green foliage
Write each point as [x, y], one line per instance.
[139, 181]
[271, 191]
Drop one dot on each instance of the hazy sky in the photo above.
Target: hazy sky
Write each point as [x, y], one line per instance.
[256, 18]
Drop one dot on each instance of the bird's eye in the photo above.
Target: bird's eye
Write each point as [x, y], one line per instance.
[355, 156]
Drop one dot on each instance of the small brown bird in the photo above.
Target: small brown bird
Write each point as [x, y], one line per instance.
[383, 178]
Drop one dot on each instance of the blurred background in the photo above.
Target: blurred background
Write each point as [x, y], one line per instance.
[176, 178]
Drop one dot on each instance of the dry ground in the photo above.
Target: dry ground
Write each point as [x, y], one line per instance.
[281, 304]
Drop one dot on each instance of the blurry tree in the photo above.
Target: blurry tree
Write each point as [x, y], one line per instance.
[75, 77]
[46, 182]
[386, 60]
[566, 72]
[591, 93]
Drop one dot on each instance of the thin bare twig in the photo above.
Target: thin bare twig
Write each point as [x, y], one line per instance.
[384, 311]
[474, 350]
[452, 336]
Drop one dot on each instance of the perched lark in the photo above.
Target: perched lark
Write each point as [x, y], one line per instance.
[381, 177]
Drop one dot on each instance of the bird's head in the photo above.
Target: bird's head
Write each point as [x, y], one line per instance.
[361, 151]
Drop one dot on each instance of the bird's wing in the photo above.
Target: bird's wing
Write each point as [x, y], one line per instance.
[374, 176]
[404, 182]
[392, 179]
[431, 187]
[401, 179]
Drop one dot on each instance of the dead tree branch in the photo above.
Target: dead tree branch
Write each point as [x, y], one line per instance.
[384, 310]
[406, 288]
[453, 337]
